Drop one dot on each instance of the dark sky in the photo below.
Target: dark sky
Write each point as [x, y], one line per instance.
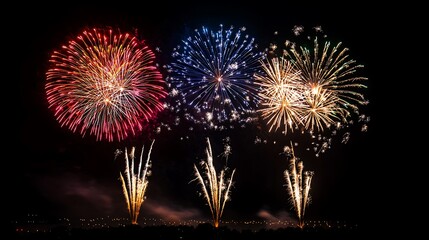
[59, 173]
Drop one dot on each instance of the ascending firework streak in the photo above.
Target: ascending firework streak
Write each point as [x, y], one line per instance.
[135, 183]
[215, 187]
[298, 184]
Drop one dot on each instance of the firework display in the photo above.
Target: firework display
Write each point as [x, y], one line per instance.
[107, 85]
[104, 83]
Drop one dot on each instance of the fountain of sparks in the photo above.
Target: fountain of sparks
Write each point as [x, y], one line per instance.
[216, 188]
[298, 185]
[135, 182]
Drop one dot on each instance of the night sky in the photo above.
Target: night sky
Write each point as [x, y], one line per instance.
[59, 173]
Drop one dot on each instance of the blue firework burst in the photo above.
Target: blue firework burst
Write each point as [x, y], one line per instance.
[212, 73]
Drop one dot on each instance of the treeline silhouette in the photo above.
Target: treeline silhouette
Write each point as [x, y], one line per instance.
[201, 232]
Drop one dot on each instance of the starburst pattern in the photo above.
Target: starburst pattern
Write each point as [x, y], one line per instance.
[106, 83]
[212, 73]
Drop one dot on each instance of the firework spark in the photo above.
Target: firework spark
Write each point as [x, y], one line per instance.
[298, 185]
[216, 188]
[213, 76]
[104, 83]
[135, 182]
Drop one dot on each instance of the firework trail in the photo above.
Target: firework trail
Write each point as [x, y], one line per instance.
[226, 149]
[135, 181]
[213, 77]
[106, 83]
[298, 185]
[216, 188]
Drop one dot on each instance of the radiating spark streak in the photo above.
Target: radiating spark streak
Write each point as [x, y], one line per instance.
[134, 184]
[281, 94]
[216, 188]
[322, 110]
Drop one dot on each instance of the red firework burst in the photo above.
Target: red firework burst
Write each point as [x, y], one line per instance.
[104, 83]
